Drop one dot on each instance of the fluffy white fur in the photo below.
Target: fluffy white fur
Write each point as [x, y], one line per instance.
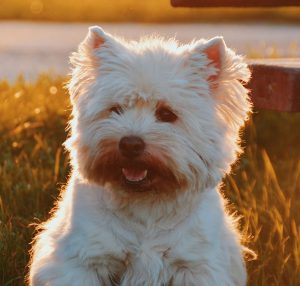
[100, 234]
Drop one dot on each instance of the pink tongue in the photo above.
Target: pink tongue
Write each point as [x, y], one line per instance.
[134, 175]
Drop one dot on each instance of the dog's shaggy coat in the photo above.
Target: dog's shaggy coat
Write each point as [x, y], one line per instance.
[156, 218]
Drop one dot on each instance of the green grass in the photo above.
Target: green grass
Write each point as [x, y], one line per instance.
[135, 11]
[264, 187]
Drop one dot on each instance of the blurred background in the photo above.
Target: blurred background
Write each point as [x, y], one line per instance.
[37, 35]
[36, 38]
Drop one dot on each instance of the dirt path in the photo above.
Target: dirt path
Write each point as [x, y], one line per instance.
[32, 48]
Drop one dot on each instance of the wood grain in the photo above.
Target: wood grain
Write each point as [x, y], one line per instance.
[275, 84]
[234, 3]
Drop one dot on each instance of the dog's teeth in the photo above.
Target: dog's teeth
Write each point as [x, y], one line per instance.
[133, 175]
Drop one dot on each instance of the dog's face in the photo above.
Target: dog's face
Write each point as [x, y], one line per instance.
[154, 117]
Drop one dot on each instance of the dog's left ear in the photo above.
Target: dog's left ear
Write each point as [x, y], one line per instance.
[207, 58]
[215, 50]
[216, 63]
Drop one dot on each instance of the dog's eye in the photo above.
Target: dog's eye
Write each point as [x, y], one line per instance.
[116, 109]
[165, 114]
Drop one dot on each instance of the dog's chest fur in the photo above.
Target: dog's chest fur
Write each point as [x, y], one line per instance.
[138, 241]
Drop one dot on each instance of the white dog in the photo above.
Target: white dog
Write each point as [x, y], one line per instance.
[155, 126]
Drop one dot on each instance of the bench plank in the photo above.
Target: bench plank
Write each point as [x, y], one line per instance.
[275, 84]
[234, 3]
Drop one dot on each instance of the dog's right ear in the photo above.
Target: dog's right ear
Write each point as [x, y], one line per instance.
[86, 61]
[95, 40]
[85, 57]
[96, 37]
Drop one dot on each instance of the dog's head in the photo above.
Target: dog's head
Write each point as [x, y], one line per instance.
[155, 117]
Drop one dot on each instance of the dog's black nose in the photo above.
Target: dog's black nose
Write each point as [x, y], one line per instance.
[131, 146]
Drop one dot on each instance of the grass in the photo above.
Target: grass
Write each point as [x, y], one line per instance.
[135, 11]
[264, 187]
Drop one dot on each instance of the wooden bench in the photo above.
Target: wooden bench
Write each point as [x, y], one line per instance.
[234, 3]
[275, 83]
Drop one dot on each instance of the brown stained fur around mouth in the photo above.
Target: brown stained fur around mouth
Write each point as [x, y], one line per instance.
[105, 169]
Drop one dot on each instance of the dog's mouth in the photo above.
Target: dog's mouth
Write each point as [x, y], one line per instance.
[146, 173]
[134, 175]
